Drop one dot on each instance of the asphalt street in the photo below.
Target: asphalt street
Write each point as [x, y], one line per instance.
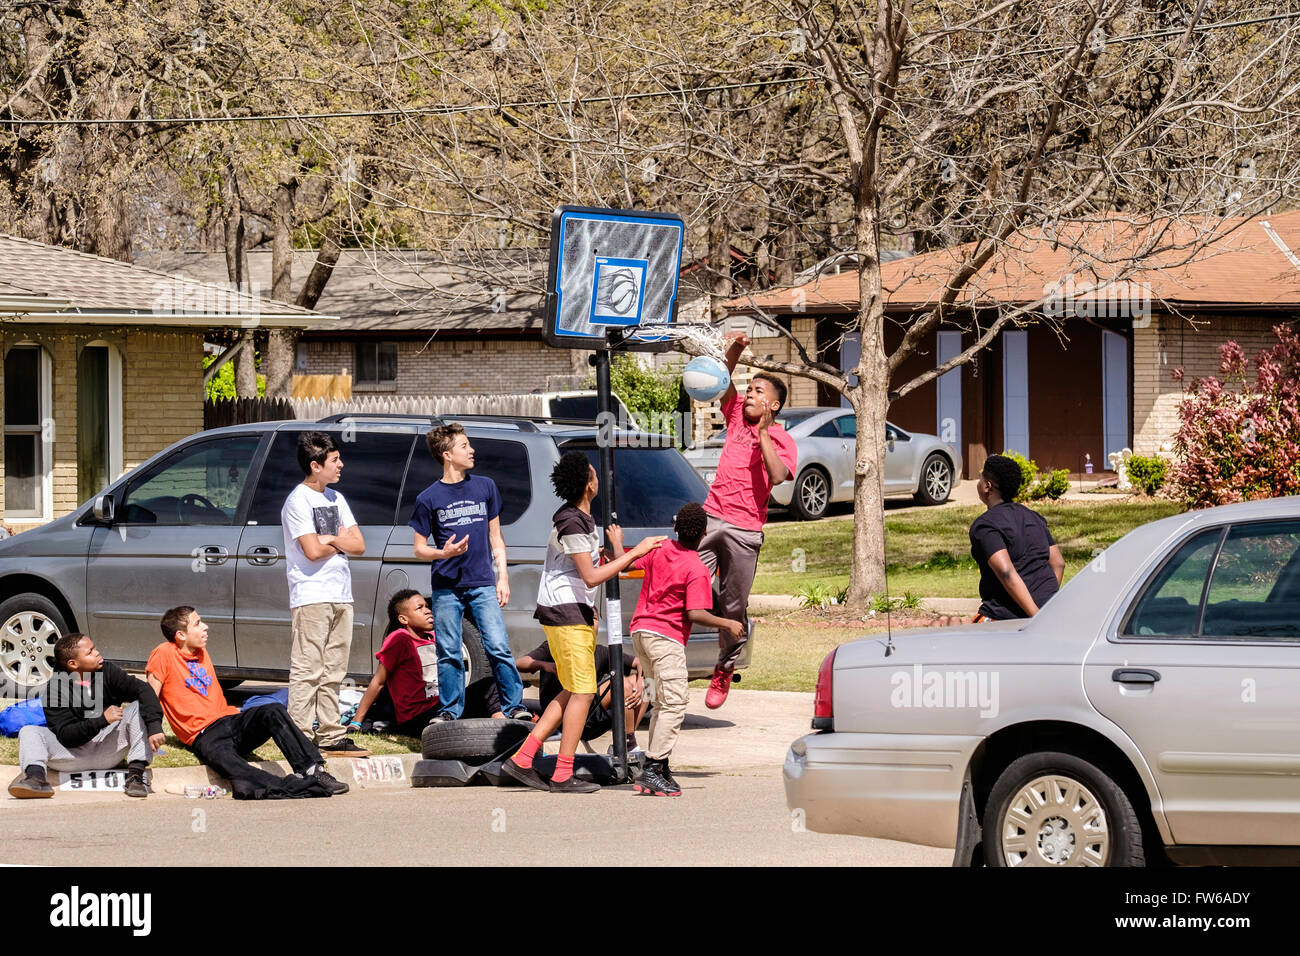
[732, 812]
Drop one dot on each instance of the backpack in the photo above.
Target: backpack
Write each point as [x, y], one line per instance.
[25, 713]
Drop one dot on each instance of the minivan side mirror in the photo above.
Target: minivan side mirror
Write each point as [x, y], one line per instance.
[103, 509]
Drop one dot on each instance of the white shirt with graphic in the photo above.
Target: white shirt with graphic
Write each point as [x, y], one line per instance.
[329, 580]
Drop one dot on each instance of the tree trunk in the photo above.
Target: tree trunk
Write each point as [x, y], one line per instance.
[870, 399]
[246, 372]
[277, 361]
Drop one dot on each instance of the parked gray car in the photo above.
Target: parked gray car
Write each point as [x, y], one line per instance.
[1150, 710]
[915, 463]
[199, 524]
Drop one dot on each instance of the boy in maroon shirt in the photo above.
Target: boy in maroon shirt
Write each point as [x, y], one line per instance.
[675, 594]
[404, 689]
[756, 455]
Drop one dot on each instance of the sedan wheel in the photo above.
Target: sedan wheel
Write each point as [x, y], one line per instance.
[812, 495]
[31, 627]
[936, 481]
[1054, 809]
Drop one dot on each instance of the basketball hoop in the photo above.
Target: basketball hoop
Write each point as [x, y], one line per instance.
[693, 338]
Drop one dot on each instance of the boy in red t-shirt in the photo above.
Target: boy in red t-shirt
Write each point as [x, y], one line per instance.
[404, 689]
[675, 594]
[181, 674]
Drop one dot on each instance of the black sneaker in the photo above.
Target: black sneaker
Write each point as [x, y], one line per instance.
[31, 784]
[330, 782]
[667, 774]
[528, 776]
[574, 785]
[343, 747]
[651, 780]
[135, 785]
[442, 718]
[521, 713]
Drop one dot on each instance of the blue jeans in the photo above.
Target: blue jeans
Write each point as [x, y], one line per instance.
[449, 607]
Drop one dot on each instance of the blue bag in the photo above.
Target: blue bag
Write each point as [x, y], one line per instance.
[25, 713]
[280, 696]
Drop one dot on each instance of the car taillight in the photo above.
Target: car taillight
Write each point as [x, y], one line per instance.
[823, 705]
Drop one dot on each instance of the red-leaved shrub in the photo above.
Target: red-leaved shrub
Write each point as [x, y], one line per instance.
[1238, 440]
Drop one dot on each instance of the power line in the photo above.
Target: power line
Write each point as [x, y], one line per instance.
[581, 101]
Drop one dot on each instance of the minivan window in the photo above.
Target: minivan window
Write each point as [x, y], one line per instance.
[373, 463]
[650, 484]
[505, 462]
[200, 484]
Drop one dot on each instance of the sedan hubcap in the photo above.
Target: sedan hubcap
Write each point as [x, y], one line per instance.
[1055, 821]
[813, 493]
[27, 648]
[938, 481]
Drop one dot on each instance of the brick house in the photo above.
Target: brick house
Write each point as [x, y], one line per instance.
[1094, 379]
[103, 367]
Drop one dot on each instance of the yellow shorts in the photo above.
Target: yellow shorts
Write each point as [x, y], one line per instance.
[573, 647]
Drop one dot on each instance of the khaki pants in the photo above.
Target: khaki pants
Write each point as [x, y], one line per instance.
[663, 661]
[318, 662]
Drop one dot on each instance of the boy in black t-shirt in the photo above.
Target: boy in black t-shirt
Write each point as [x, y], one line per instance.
[1020, 565]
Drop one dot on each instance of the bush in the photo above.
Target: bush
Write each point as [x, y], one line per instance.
[1028, 473]
[646, 392]
[1240, 441]
[1053, 486]
[222, 385]
[1147, 474]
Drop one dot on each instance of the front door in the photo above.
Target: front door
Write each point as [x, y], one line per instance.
[1204, 675]
[174, 542]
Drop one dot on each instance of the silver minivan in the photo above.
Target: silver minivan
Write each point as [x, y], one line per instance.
[199, 524]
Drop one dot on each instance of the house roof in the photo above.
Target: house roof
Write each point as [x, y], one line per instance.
[492, 290]
[1249, 263]
[46, 283]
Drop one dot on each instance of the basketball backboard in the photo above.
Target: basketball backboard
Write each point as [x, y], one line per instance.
[611, 268]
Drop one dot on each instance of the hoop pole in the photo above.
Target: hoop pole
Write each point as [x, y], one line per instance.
[609, 515]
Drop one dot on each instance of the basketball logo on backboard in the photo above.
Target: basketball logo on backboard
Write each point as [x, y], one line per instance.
[619, 284]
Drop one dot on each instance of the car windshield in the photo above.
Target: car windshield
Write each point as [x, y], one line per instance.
[652, 483]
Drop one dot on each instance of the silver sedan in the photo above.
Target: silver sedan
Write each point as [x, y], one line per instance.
[1149, 711]
[915, 463]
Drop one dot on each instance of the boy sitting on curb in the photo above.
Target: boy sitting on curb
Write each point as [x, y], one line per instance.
[404, 689]
[180, 672]
[95, 714]
[675, 594]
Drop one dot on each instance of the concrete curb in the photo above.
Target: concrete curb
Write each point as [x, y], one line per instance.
[387, 770]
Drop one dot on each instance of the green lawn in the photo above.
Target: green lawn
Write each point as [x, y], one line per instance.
[928, 549]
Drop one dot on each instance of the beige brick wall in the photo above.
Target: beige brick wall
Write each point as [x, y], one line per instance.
[451, 366]
[162, 395]
[1170, 342]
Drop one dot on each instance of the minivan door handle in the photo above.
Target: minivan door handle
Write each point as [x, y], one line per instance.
[263, 554]
[214, 554]
[1134, 675]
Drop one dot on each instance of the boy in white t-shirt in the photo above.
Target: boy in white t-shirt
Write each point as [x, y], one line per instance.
[319, 534]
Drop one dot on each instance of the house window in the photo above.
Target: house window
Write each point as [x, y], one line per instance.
[99, 418]
[28, 442]
[376, 363]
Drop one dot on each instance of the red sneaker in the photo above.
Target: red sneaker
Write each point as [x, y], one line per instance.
[719, 685]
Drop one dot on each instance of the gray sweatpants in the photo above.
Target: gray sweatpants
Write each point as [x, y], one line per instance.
[124, 738]
[733, 553]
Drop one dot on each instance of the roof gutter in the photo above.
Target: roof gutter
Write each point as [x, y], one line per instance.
[167, 319]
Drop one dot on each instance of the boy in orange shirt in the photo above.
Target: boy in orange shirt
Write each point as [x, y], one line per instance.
[181, 674]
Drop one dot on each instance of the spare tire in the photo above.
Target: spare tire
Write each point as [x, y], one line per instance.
[473, 738]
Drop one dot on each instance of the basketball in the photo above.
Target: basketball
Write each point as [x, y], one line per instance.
[705, 378]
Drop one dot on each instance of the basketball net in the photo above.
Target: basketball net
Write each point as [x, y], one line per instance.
[691, 338]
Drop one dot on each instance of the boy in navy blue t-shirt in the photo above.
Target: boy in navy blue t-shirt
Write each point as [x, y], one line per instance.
[457, 526]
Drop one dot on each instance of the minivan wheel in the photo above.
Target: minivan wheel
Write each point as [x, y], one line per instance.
[29, 627]
[812, 494]
[936, 481]
[1056, 809]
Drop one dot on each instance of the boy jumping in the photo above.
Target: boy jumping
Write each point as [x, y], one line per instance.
[181, 674]
[566, 608]
[95, 715]
[675, 594]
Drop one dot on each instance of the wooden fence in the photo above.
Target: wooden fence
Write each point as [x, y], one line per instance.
[235, 411]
